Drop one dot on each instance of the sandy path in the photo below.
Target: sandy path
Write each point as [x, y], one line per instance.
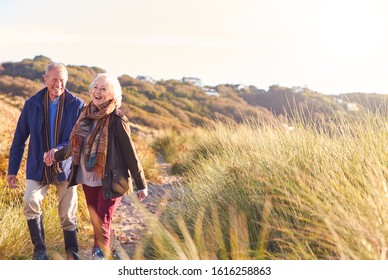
[128, 223]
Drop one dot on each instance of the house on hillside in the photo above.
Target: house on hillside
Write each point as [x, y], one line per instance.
[298, 89]
[147, 79]
[241, 87]
[210, 91]
[192, 80]
[349, 106]
[352, 107]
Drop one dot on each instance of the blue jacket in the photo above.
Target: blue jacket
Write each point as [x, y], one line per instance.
[30, 124]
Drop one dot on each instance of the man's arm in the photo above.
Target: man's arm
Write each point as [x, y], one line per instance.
[18, 145]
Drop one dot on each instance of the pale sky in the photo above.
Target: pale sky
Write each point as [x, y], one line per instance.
[330, 46]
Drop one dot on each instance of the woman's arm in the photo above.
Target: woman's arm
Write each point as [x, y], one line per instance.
[62, 153]
[128, 151]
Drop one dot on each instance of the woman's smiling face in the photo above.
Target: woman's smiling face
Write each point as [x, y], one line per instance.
[101, 91]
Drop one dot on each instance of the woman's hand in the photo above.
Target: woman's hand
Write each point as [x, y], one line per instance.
[142, 194]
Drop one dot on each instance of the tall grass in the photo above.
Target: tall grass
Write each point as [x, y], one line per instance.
[148, 159]
[15, 242]
[172, 145]
[265, 192]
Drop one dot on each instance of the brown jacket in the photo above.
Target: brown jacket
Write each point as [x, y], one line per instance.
[121, 157]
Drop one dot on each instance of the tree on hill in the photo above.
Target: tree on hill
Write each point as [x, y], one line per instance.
[80, 77]
[32, 69]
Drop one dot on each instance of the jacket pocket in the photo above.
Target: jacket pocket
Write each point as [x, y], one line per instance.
[120, 181]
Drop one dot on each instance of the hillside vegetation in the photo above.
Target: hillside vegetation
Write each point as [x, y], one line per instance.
[164, 104]
[177, 105]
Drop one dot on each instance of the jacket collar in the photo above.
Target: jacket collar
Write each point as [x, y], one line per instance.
[118, 112]
[38, 97]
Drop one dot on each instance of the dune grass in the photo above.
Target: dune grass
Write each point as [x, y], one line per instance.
[265, 192]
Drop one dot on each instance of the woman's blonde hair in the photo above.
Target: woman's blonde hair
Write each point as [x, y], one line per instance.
[114, 84]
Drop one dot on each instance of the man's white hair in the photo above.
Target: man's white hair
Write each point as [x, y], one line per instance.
[56, 66]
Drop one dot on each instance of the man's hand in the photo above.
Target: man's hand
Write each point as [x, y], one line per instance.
[48, 157]
[12, 181]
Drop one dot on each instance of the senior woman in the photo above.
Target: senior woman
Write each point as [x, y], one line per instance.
[103, 152]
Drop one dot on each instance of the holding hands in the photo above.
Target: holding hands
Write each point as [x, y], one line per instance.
[48, 157]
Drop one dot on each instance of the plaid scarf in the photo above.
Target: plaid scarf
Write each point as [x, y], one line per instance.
[95, 149]
[50, 172]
